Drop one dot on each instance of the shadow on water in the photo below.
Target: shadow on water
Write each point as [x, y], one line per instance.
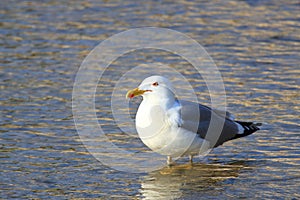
[179, 180]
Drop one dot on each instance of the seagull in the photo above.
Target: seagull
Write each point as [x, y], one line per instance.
[181, 128]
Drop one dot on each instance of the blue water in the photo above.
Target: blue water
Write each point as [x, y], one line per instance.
[255, 45]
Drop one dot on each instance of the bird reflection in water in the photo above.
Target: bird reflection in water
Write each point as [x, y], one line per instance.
[173, 182]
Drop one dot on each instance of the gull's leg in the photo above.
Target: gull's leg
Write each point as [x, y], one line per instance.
[169, 160]
[191, 159]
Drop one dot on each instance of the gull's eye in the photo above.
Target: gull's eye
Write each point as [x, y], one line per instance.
[155, 84]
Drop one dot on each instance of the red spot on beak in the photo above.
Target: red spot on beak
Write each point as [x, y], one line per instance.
[131, 96]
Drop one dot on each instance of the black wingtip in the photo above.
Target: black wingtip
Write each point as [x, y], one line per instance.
[249, 128]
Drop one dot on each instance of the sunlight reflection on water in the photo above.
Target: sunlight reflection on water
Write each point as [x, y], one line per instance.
[255, 44]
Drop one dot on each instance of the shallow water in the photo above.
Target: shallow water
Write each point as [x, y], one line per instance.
[255, 45]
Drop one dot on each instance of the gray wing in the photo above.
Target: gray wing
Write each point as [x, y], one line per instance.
[197, 118]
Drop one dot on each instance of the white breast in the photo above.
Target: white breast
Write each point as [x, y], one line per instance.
[155, 130]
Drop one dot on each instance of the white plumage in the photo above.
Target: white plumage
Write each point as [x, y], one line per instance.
[178, 128]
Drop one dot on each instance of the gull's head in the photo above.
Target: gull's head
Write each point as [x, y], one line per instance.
[153, 87]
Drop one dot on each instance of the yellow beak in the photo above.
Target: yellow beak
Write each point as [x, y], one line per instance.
[135, 92]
